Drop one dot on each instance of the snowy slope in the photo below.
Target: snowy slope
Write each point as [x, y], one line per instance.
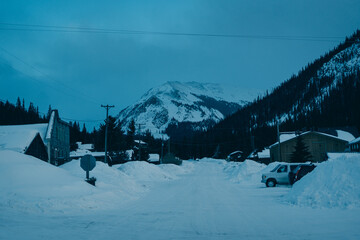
[343, 64]
[184, 102]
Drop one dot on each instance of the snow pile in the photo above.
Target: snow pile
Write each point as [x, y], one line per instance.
[185, 168]
[334, 183]
[247, 172]
[144, 171]
[30, 184]
[107, 178]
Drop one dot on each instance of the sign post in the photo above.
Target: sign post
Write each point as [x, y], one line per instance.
[87, 163]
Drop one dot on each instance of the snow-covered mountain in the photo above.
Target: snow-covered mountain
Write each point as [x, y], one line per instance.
[175, 102]
[329, 76]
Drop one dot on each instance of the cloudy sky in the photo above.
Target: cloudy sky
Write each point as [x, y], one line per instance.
[75, 55]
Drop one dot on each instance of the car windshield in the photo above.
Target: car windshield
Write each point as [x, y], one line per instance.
[275, 168]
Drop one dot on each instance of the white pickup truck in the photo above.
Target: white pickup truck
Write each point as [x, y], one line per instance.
[279, 175]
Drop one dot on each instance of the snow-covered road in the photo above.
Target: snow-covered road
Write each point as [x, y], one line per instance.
[203, 204]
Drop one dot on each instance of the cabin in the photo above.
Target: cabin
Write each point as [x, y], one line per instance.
[318, 144]
[47, 141]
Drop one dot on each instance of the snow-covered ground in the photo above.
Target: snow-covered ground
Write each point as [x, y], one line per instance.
[206, 199]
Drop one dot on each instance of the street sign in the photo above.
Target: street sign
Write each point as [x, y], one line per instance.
[87, 163]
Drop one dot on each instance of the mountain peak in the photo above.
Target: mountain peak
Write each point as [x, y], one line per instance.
[176, 101]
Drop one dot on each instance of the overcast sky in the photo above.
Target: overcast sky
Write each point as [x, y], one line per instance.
[76, 72]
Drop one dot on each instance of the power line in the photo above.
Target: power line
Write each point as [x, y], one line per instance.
[82, 120]
[69, 29]
[69, 93]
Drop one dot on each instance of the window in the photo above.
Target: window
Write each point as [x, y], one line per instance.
[282, 169]
[292, 167]
[275, 168]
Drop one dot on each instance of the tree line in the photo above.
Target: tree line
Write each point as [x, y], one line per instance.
[11, 114]
[118, 140]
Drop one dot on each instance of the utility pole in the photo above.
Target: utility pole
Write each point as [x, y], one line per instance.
[106, 127]
[162, 149]
[139, 141]
[278, 136]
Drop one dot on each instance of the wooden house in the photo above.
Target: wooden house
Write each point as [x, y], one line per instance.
[57, 139]
[318, 145]
[47, 141]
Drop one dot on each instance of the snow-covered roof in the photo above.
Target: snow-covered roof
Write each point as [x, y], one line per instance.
[287, 136]
[83, 152]
[51, 125]
[334, 155]
[342, 135]
[356, 140]
[345, 135]
[19, 137]
[261, 154]
[87, 146]
[154, 157]
[264, 153]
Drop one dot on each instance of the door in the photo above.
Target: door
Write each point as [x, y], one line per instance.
[283, 175]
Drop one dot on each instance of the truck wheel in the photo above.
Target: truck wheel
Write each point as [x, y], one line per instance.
[271, 183]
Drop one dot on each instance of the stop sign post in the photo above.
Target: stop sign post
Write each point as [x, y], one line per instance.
[87, 163]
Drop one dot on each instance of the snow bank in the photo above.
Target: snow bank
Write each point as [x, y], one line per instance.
[107, 178]
[185, 168]
[247, 172]
[144, 171]
[334, 183]
[30, 184]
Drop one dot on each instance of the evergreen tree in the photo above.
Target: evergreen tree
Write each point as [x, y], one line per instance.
[31, 109]
[130, 135]
[18, 103]
[84, 134]
[301, 152]
[49, 113]
[115, 137]
[74, 135]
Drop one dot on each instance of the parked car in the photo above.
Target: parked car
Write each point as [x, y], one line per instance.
[300, 172]
[235, 156]
[279, 175]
